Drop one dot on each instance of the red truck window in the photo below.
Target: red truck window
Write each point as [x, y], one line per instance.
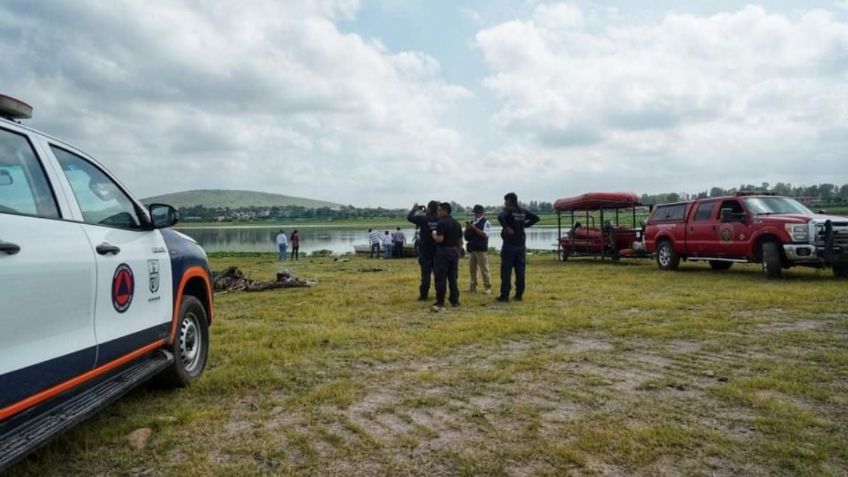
[705, 211]
[670, 212]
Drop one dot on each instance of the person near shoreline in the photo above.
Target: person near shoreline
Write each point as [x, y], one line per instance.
[448, 237]
[416, 242]
[295, 243]
[387, 244]
[477, 245]
[426, 223]
[398, 240]
[282, 243]
[514, 220]
[374, 240]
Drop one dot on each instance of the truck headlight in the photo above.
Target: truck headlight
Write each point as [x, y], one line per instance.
[798, 232]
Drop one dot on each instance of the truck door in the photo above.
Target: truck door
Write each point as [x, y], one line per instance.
[47, 281]
[134, 302]
[733, 230]
[703, 228]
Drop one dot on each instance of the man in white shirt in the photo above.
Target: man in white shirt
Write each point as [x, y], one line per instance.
[282, 244]
[477, 244]
[374, 239]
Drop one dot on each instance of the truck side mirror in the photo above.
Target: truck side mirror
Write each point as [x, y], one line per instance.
[163, 215]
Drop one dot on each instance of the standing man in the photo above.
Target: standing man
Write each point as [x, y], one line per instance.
[448, 243]
[426, 243]
[477, 245]
[514, 220]
[295, 241]
[399, 239]
[282, 243]
[374, 240]
[387, 244]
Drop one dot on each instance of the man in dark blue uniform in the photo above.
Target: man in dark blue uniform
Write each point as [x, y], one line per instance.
[426, 243]
[514, 220]
[448, 244]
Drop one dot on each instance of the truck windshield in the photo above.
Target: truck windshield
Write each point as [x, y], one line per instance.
[775, 205]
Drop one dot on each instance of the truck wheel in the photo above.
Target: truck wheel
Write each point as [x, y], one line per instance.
[667, 258]
[840, 271]
[190, 346]
[772, 268]
[720, 265]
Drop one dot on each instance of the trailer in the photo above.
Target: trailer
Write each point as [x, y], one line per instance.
[596, 228]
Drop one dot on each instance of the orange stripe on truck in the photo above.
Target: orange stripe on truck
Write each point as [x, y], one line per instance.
[188, 275]
[72, 383]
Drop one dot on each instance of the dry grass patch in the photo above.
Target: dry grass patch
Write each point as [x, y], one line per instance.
[603, 370]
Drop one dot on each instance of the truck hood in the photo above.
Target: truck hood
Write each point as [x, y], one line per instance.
[802, 218]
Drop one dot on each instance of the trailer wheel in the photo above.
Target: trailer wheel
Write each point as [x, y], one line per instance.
[840, 271]
[772, 268]
[720, 265]
[667, 258]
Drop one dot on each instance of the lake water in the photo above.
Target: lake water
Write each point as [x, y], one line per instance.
[337, 240]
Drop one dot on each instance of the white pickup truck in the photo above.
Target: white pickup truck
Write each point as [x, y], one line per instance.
[97, 293]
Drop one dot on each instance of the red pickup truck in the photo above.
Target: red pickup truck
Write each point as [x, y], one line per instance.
[778, 232]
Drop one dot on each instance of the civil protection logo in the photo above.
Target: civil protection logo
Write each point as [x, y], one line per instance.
[123, 288]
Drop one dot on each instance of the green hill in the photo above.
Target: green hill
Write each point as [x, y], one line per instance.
[235, 199]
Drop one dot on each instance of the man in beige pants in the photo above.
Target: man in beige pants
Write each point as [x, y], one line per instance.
[477, 244]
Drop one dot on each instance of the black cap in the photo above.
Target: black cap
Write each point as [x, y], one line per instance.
[479, 208]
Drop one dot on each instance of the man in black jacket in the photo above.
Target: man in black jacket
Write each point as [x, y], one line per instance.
[426, 243]
[448, 244]
[514, 220]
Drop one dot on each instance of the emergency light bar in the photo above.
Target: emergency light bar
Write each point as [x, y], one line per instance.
[11, 108]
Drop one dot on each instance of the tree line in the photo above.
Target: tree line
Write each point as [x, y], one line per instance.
[820, 194]
[816, 195]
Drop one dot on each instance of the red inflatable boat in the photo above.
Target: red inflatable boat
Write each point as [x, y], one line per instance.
[597, 200]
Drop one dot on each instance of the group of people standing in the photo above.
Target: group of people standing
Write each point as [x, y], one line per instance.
[392, 243]
[441, 241]
[283, 243]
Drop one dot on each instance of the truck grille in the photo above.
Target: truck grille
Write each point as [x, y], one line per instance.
[840, 235]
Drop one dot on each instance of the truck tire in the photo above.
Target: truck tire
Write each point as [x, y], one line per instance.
[190, 346]
[840, 271]
[667, 258]
[772, 268]
[720, 265]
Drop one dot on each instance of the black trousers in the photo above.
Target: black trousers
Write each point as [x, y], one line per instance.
[447, 271]
[426, 259]
[375, 248]
[397, 249]
[295, 252]
[512, 257]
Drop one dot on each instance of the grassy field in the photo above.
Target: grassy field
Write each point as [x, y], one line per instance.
[604, 369]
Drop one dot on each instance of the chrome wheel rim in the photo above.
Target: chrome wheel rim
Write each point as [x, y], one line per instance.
[191, 342]
[664, 256]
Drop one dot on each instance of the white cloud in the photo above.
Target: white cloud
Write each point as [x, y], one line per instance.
[272, 97]
[685, 102]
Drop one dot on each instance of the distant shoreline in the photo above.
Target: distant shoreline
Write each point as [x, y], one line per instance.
[547, 220]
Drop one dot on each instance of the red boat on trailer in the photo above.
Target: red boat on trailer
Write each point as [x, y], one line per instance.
[607, 238]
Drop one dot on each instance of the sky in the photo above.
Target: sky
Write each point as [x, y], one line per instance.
[389, 102]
